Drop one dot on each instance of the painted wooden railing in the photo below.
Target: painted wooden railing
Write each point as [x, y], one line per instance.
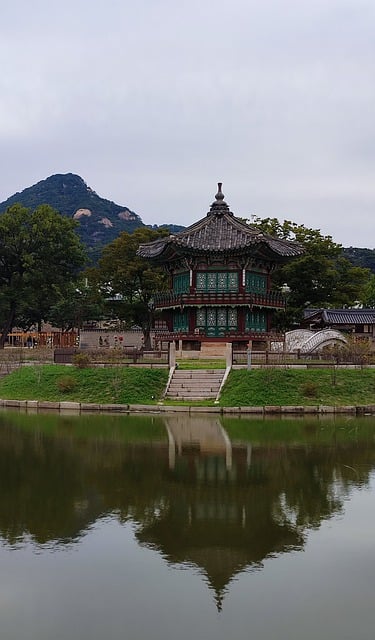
[170, 299]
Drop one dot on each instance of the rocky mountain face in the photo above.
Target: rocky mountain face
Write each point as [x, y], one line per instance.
[99, 220]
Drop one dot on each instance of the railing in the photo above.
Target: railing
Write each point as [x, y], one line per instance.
[273, 299]
[285, 358]
[200, 334]
[31, 339]
[114, 357]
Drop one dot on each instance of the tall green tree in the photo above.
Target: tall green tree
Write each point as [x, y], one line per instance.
[127, 281]
[321, 277]
[40, 256]
[79, 305]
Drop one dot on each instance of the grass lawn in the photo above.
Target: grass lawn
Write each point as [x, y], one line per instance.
[57, 383]
[124, 385]
[261, 387]
[195, 363]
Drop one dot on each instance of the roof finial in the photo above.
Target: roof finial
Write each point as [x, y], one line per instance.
[219, 206]
[219, 195]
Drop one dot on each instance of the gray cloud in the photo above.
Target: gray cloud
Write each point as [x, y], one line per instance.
[152, 103]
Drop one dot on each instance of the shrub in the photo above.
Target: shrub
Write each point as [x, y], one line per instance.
[81, 360]
[309, 389]
[66, 384]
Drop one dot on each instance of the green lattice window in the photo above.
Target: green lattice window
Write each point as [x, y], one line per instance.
[256, 282]
[256, 321]
[216, 321]
[213, 281]
[180, 321]
[181, 282]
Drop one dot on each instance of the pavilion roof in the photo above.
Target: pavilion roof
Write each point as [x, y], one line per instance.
[221, 232]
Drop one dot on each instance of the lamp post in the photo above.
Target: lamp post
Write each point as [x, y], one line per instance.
[285, 290]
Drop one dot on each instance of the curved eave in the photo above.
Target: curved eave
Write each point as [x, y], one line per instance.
[281, 250]
[262, 248]
[153, 249]
[222, 234]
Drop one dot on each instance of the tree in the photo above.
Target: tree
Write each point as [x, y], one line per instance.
[128, 281]
[360, 257]
[40, 255]
[322, 276]
[369, 293]
[81, 304]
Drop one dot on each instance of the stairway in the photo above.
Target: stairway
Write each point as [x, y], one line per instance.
[195, 384]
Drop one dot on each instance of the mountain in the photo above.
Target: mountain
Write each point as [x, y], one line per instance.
[361, 257]
[100, 220]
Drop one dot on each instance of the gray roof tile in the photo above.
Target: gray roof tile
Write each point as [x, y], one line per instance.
[221, 231]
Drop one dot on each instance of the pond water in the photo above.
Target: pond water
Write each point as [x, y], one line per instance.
[174, 527]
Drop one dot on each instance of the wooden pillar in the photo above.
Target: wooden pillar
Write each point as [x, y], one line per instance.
[241, 319]
[192, 320]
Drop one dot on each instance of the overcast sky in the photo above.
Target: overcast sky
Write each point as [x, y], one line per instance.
[152, 102]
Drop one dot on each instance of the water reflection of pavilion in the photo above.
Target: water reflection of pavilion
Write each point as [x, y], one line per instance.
[202, 434]
[220, 521]
[195, 497]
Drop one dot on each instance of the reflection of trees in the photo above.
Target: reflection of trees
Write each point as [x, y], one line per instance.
[55, 486]
[221, 518]
[311, 492]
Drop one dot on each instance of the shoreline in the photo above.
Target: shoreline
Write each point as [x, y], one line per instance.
[82, 407]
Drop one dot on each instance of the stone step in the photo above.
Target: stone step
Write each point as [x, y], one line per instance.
[190, 381]
[195, 392]
[195, 384]
[184, 373]
[192, 392]
[199, 372]
[191, 396]
[211, 380]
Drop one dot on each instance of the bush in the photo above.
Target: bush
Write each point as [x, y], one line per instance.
[309, 389]
[66, 384]
[81, 360]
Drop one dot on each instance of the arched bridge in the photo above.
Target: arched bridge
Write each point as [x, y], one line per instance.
[309, 341]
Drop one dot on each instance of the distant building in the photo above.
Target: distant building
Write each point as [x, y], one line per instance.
[359, 322]
[220, 279]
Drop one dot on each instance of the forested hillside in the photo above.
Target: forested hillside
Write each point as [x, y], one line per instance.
[99, 220]
[361, 257]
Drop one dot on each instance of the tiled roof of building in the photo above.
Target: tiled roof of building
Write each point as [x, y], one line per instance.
[220, 231]
[342, 316]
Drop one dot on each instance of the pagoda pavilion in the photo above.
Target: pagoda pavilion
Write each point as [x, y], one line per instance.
[220, 279]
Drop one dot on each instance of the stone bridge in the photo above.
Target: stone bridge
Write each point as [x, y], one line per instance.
[307, 341]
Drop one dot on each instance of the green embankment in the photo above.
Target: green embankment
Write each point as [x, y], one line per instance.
[58, 383]
[258, 387]
[261, 387]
